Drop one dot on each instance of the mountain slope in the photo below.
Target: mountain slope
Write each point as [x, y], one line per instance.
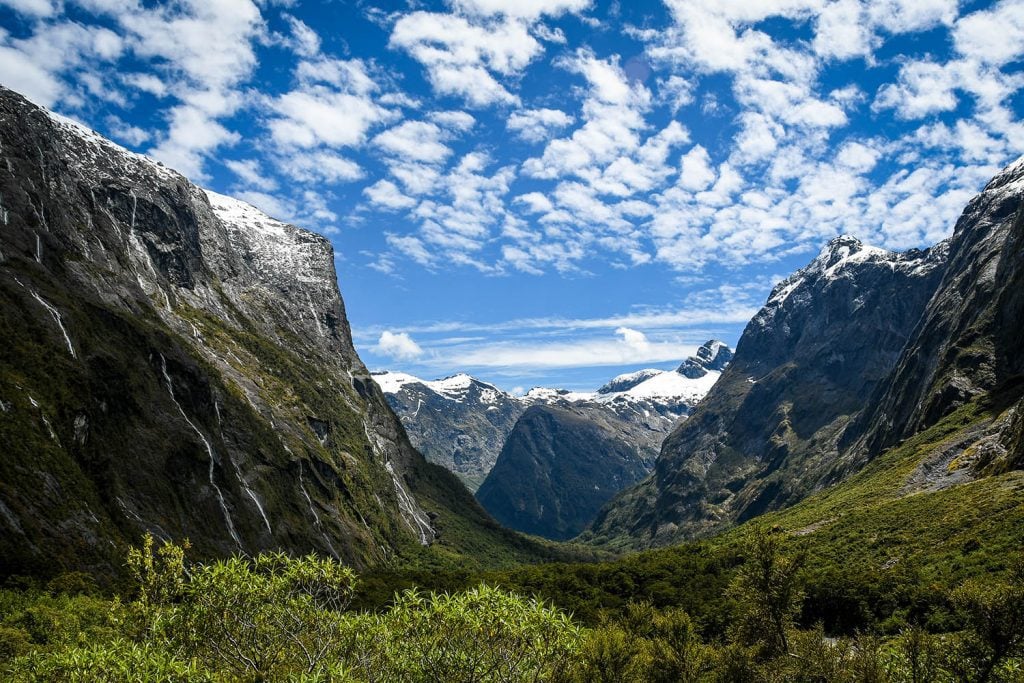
[766, 435]
[570, 453]
[560, 464]
[971, 337]
[458, 422]
[174, 361]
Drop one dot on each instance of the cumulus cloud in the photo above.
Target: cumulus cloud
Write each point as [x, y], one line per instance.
[398, 346]
[537, 125]
[465, 58]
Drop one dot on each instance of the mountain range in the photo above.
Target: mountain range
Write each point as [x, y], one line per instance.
[545, 462]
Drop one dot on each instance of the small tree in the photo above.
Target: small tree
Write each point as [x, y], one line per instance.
[645, 644]
[267, 615]
[993, 612]
[767, 593]
[917, 657]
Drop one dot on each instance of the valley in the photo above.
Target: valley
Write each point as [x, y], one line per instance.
[407, 375]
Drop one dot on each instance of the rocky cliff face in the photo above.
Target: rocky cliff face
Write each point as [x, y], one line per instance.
[768, 432]
[970, 340]
[174, 361]
[560, 464]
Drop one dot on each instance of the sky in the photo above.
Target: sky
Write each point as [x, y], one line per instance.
[550, 192]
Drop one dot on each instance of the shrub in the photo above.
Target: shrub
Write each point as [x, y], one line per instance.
[482, 635]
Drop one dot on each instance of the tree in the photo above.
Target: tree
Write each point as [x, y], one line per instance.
[767, 593]
[484, 635]
[267, 615]
[993, 612]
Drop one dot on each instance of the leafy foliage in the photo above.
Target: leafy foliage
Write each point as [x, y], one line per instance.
[274, 617]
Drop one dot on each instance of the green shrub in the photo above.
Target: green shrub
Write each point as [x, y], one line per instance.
[119, 661]
[482, 635]
[14, 642]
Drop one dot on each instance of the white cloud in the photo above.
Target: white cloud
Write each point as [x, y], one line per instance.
[20, 72]
[923, 88]
[522, 9]
[676, 91]
[994, 36]
[249, 171]
[148, 83]
[321, 166]
[454, 120]
[462, 58]
[414, 140]
[696, 172]
[36, 8]
[303, 39]
[398, 346]
[386, 194]
[842, 32]
[132, 135]
[537, 125]
[535, 202]
[318, 115]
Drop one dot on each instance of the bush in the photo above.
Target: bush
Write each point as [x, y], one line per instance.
[484, 635]
[119, 661]
[645, 644]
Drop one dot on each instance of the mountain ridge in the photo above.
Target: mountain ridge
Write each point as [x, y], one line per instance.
[833, 331]
[462, 422]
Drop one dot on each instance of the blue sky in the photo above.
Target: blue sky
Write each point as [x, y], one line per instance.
[550, 191]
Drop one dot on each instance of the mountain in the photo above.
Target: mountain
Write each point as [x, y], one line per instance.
[768, 433]
[561, 463]
[461, 422]
[570, 453]
[177, 362]
[458, 422]
[970, 341]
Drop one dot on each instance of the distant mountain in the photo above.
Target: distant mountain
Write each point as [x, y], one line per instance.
[561, 463]
[461, 422]
[768, 433]
[457, 422]
[174, 361]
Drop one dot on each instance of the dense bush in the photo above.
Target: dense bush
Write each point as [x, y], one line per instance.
[277, 618]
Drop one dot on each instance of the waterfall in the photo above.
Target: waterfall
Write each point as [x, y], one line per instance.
[209, 452]
[56, 316]
[407, 506]
[135, 204]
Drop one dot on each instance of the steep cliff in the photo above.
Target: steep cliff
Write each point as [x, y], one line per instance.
[767, 433]
[970, 340]
[559, 465]
[174, 361]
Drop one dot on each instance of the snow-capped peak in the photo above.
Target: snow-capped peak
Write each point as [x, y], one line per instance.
[453, 388]
[628, 380]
